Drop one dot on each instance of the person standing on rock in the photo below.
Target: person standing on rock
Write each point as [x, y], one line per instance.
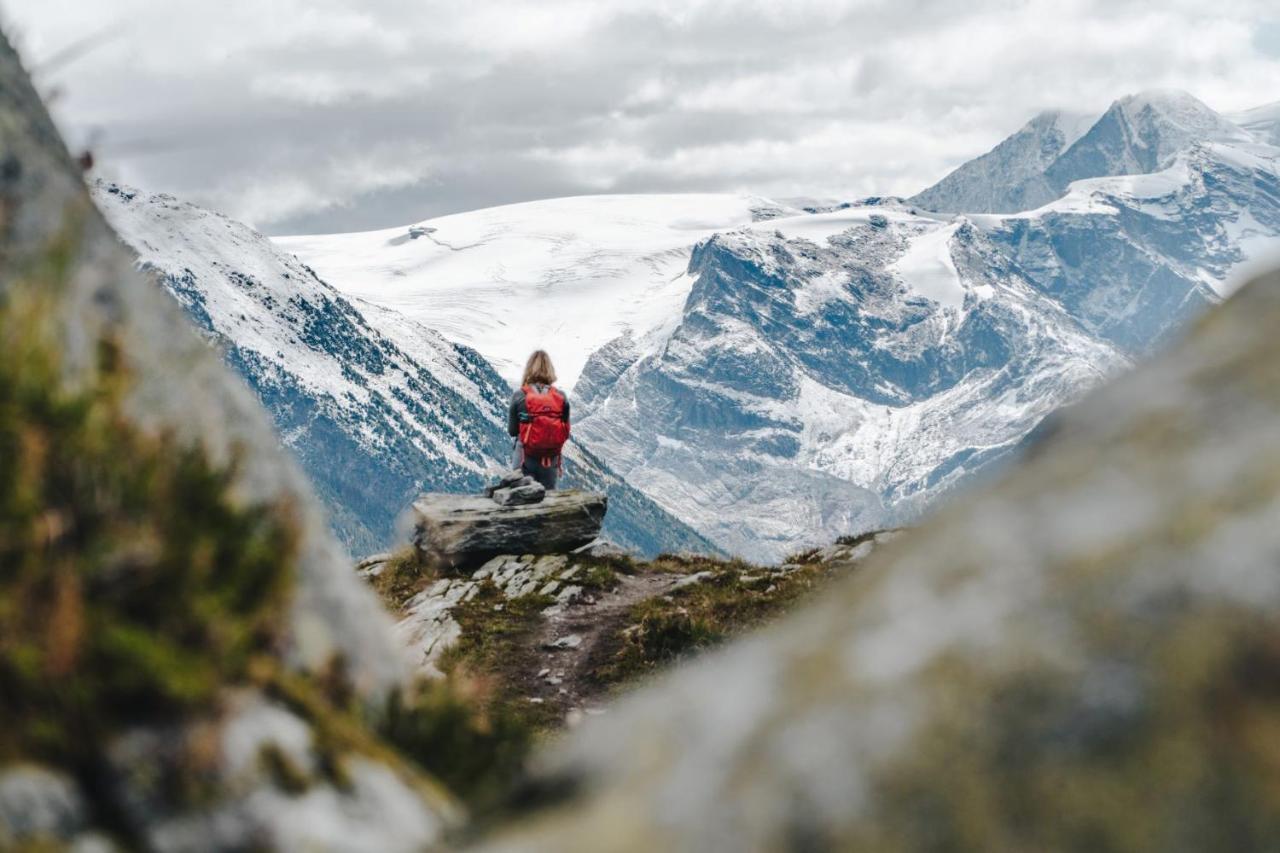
[539, 421]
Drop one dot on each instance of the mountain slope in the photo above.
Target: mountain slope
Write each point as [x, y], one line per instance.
[902, 354]
[823, 385]
[1263, 122]
[1138, 134]
[1010, 177]
[376, 407]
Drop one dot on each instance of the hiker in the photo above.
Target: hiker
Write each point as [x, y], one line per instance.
[539, 420]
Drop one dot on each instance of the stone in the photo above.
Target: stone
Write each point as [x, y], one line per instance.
[600, 548]
[372, 566]
[569, 595]
[569, 641]
[1080, 654]
[531, 493]
[460, 531]
[690, 580]
[509, 480]
[428, 628]
[36, 802]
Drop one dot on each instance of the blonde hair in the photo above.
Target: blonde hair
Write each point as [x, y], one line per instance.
[538, 370]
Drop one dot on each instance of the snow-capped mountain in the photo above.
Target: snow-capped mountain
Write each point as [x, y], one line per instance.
[832, 373]
[1010, 177]
[375, 406]
[778, 373]
[1139, 134]
[567, 274]
[839, 371]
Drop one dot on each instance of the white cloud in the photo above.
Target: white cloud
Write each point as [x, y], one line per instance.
[298, 114]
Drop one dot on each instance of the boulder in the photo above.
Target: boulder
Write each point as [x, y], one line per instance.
[1083, 655]
[460, 531]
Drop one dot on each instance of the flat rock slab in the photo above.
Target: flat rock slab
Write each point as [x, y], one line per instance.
[460, 531]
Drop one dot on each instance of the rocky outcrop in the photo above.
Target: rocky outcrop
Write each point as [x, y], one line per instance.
[140, 591]
[428, 628]
[554, 637]
[1079, 656]
[457, 531]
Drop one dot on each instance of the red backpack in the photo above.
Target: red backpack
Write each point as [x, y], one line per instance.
[546, 430]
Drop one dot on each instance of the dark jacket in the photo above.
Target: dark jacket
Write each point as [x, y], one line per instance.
[517, 413]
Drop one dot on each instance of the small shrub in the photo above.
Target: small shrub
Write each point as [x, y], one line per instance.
[474, 741]
[402, 577]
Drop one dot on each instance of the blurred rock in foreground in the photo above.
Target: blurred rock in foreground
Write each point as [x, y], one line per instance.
[1084, 655]
[186, 661]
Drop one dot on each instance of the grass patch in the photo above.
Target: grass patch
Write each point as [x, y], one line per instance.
[473, 739]
[735, 598]
[134, 585]
[497, 647]
[402, 577]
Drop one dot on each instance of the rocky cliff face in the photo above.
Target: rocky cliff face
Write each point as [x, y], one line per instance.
[1080, 655]
[827, 387]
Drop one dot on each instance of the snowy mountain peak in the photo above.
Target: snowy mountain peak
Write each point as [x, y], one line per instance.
[1178, 114]
[1140, 134]
[1065, 125]
[1010, 177]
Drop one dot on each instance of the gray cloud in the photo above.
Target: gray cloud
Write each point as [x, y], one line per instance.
[349, 114]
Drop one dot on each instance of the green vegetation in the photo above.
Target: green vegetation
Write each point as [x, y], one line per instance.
[134, 586]
[402, 577]
[474, 741]
[734, 598]
[498, 649]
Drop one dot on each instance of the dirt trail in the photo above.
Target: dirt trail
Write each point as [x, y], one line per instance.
[571, 633]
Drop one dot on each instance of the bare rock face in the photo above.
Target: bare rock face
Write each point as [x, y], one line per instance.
[459, 531]
[1082, 655]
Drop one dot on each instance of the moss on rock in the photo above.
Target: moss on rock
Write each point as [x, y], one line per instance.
[134, 584]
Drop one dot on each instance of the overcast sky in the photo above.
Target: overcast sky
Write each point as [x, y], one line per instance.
[351, 114]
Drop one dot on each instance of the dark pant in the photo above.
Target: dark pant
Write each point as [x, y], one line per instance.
[544, 474]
